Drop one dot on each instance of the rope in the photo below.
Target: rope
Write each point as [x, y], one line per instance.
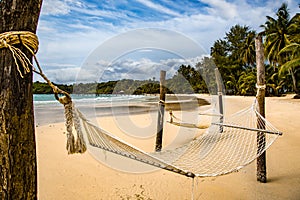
[260, 88]
[30, 41]
[25, 38]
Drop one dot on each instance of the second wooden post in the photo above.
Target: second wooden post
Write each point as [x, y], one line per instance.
[161, 111]
[261, 160]
[220, 97]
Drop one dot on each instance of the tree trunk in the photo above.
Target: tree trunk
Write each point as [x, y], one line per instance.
[18, 178]
[293, 74]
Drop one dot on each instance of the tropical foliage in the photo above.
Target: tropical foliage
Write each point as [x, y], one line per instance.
[235, 55]
[282, 40]
[44, 88]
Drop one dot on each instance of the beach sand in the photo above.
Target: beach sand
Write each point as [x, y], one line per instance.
[80, 176]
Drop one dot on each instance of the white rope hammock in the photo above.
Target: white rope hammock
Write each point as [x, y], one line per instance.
[212, 154]
[225, 147]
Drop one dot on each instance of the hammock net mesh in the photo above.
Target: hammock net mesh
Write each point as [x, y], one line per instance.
[223, 148]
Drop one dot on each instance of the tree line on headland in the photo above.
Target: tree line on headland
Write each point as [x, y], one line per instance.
[186, 80]
[234, 55]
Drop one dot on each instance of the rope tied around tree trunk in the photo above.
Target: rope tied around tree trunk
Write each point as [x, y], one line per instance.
[259, 89]
[30, 41]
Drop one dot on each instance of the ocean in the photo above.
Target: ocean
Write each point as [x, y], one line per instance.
[48, 110]
[49, 99]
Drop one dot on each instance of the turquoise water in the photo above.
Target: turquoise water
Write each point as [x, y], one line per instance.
[49, 110]
[46, 99]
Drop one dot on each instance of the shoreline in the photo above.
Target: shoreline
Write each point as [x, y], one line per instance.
[54, 112]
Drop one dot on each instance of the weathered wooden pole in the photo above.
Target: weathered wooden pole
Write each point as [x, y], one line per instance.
[161, 111]
[18, 168]
[220, 97]
[261, 160]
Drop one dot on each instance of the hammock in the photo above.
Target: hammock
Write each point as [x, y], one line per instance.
[225, 147]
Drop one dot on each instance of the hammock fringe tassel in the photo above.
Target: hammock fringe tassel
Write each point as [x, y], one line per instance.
[75, 143]
[72, 121]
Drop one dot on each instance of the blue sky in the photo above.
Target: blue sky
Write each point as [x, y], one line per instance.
[70, 30]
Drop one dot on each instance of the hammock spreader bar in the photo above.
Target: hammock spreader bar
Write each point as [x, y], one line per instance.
[248, 129]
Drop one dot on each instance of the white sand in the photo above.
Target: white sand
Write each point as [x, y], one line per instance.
[62, 176]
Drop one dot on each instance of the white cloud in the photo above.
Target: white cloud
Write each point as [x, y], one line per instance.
[63, 74]
[55, 7]
[158, 7]
[100, 13]
[221, 8]
[60, 7]
[138, 69]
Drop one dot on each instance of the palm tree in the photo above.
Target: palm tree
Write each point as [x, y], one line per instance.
[280, 34]
[276, 32]
[248, 49]
[236, 38]
[246, 82]
[292, 51]
[291, 66]
[232, 84]
[274, 82]
[234, 54]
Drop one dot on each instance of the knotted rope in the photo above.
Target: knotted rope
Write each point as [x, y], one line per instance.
[30, 41]
[259, 89]
[27, 39]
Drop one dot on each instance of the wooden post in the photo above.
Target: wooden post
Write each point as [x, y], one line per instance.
[18, 167]
[161, 111]
[220, 97]
[261, 160]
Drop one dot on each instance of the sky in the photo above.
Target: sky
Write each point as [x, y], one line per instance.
[91, 40]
